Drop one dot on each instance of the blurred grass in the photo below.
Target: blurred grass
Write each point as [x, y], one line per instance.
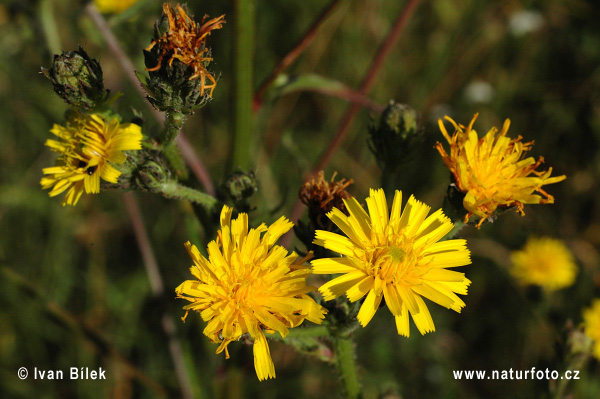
[85, 262]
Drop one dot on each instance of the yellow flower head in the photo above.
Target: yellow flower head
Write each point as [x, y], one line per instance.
[546, 262]
[591, 322]
[87, 146]
[249, 285]
[113, 6]
[186, 41]
[493, 171]
[396, 258]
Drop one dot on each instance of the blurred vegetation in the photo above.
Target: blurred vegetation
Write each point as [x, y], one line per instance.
[74, 292]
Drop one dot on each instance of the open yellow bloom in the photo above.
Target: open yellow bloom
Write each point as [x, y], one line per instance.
[493, 171]
[113, 6]
[546, 262]
[396, 258]
[591, 322]
[87, 146]
[249, 285]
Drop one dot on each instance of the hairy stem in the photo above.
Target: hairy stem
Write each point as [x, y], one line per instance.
[346, 365]
[173, 125]
[172, 189]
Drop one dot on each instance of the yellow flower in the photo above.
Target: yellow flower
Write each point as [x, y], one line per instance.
[113, 6]
[249, 285]
[398, 259]
[591, 322]
[87, 146]
[493, 171]
[546, 262]
[186, 41]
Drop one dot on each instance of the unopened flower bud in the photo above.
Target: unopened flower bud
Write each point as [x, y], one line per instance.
[240, 186]
[77, 78]
[392, 138]
[153, 174]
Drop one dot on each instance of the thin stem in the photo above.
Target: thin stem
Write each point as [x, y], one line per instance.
[82, 329]
[128, 70]
[173, 125]
[368, 81]
[294, 53]
[310, 332]
[346, 365]
[172, 189]
[243, 56]
[49, 26]
[158, 289]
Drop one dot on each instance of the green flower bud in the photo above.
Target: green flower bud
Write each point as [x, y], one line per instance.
[394, 136]
[77, 78]
[153, 174]
[240, 186]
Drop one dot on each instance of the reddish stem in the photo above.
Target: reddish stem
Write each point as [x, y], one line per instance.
[370, 76]
[367, 82]
[293, 54]
[187, 152]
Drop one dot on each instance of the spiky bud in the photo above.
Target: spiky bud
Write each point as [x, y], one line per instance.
[77, 79]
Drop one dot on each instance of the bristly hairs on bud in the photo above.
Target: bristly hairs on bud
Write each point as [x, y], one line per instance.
[77, 79]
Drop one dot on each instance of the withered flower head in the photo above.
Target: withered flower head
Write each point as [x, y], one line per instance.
[321, 196]
[185, 40]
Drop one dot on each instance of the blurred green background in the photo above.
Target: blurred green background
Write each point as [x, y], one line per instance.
[73, 290]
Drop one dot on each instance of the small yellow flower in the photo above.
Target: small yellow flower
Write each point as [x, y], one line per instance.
[546, 262]
[249, 285]
[493, 171]
[113, 6]
[186, 41]
[591, 322]
[87, 146]
[396, 258]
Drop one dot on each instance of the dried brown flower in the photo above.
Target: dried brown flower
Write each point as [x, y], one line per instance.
[185, 40]
[321, 196]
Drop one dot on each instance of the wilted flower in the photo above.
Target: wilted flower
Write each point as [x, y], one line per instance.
[397, 258]
[185, 41]
[88, 147]
[492, 171]
[321, 196]
[249, 285]
[546, 262]
[591, 322]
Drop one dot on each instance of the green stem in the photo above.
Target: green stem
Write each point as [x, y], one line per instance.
[49, 26]
[310, 332]
[243, 56]
[346, 365]
[171, 152]
[172, 189]
[173, 125]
